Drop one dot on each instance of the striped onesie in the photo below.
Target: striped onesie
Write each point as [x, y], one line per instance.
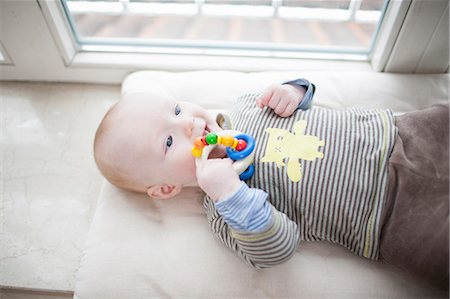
[320, 174]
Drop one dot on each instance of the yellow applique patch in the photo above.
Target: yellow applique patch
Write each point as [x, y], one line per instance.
[295, 146]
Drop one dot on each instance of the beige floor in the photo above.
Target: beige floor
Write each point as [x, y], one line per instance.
[49, 180]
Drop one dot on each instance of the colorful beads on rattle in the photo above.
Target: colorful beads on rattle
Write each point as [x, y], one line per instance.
[212, 138]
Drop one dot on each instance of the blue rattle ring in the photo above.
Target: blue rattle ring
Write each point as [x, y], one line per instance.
[238, 155]
[239, 148]
[247, 173]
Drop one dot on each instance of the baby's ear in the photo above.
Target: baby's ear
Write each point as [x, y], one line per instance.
[163, 191]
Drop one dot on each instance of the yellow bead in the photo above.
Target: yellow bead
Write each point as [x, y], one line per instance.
[227, 140]
[219, 139]
[196, 152]
[235, 143]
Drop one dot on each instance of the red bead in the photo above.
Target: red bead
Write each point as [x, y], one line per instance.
[241, 145]
[198, 143]
[204, 141]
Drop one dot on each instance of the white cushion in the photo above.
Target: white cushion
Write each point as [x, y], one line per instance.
[143, 248]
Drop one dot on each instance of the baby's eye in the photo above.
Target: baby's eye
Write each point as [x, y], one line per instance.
[177, 109]
[169, 141]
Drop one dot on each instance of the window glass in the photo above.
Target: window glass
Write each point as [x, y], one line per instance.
[272, 27]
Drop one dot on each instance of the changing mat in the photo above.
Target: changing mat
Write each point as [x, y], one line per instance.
[139, 247]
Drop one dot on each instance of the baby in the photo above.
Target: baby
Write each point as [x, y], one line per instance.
[374, 183]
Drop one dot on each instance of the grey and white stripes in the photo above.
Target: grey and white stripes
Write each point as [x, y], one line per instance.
[339, 198]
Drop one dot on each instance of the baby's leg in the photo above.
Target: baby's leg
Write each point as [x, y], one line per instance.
[415, 233]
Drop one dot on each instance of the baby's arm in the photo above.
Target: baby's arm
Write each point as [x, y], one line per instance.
[286, 98]
[246, 222]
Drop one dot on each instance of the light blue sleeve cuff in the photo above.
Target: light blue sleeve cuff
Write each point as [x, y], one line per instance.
[247, 210]
[310, 88]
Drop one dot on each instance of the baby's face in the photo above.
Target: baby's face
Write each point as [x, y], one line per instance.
[165, 131]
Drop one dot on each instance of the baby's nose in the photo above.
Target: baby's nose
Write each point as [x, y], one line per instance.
[188, 126]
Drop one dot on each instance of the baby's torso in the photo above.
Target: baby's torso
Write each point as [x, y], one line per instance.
[325, 169]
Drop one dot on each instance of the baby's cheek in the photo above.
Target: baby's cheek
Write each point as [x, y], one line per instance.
[188, 163]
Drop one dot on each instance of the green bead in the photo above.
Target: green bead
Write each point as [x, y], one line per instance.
[211, 138]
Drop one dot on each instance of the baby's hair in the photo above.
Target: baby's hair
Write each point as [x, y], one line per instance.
[105, 163]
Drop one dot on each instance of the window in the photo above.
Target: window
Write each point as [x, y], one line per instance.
[262, 28]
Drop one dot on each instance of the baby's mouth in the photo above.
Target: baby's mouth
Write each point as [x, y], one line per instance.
[219, 150]
[207, 130]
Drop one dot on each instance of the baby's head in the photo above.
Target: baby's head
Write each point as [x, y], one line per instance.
[144, 143]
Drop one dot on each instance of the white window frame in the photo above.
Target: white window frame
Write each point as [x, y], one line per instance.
[389, 30]
[422, 45]
[60, 29]
[249, 49]
[170, 59]
[39, 47]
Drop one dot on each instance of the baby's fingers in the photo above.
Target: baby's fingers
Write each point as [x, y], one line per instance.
[281, 106]
[275, 101]
[209, 164]
[265, 97]
[289, 110]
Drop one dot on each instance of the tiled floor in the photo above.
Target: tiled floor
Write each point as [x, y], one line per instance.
[49, 180]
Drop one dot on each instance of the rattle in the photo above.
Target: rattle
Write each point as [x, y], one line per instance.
[239, 147]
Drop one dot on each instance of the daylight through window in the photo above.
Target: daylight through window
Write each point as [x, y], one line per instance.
[279, 28]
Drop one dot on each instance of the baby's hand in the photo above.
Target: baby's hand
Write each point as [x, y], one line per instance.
[217, 177]
[283, 99]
